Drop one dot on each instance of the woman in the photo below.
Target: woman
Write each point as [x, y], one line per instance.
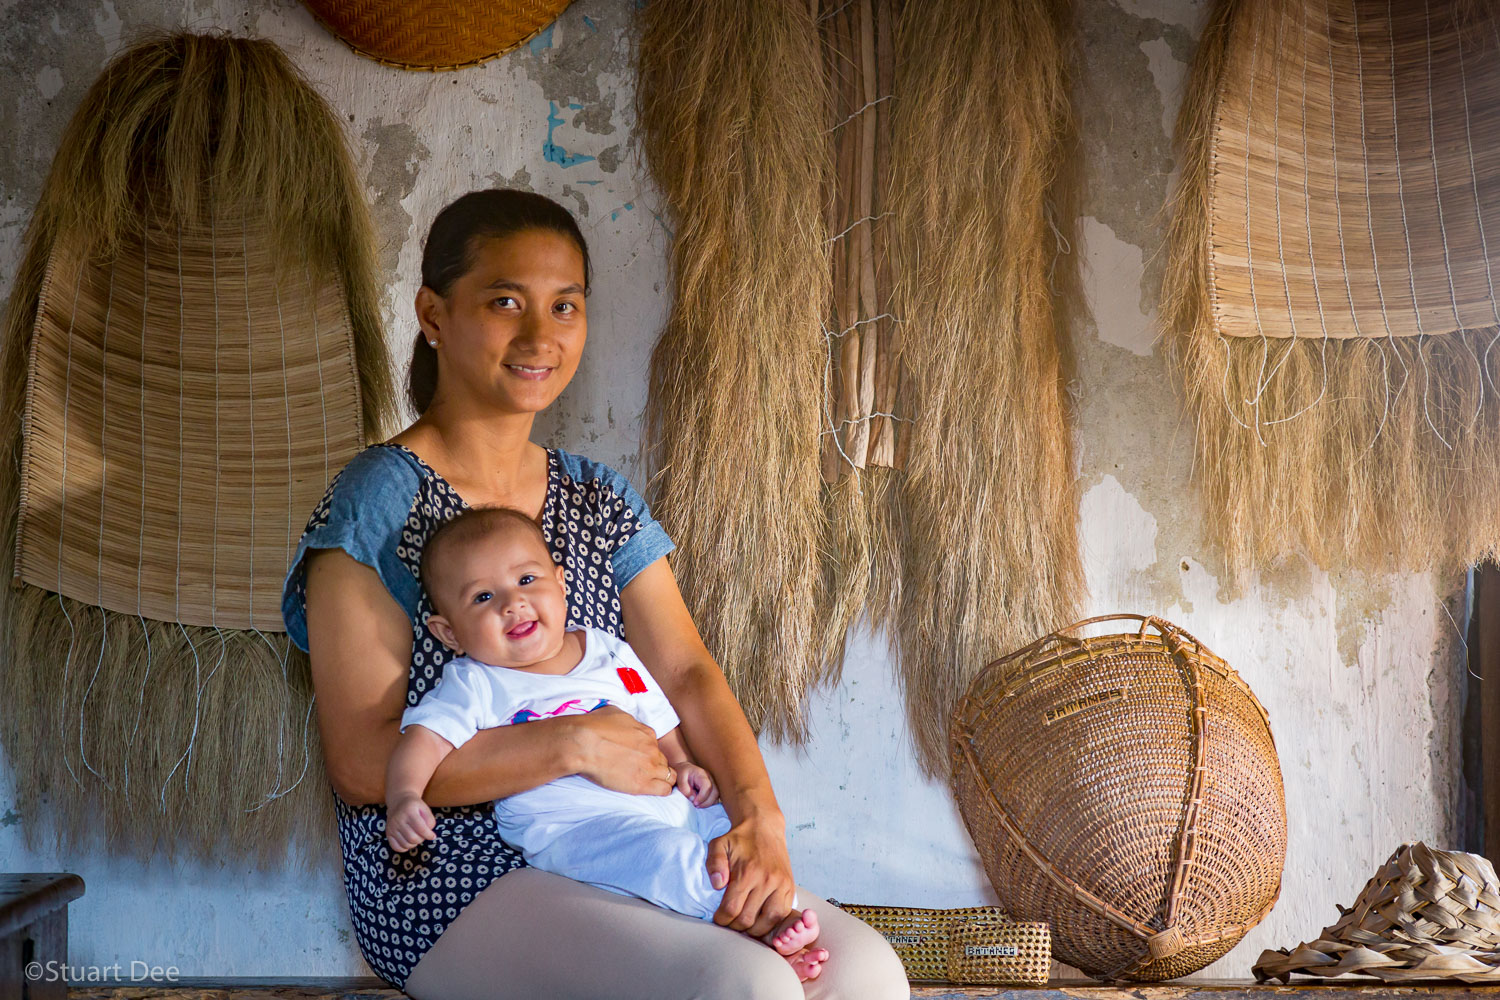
[503, 324]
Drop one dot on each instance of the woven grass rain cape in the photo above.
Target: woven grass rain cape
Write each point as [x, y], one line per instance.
[1332, 292]
[856, 407]
[193, 347]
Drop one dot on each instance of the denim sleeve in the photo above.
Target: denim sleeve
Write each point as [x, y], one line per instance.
[635, 538]
[364, 512]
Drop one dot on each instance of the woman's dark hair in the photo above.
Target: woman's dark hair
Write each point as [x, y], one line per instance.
[452, 243]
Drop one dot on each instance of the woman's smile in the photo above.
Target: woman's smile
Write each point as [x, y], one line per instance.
[529, 373]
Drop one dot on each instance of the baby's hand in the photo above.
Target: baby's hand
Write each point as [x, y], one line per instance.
[697, 784]
[408, 822]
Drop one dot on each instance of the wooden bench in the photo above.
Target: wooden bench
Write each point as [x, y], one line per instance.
[34, 932]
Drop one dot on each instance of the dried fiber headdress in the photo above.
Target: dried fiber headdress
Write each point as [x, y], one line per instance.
[857, 406]
[193, 347]
[1332, 295]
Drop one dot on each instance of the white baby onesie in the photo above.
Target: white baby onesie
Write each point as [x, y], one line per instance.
[651, 846]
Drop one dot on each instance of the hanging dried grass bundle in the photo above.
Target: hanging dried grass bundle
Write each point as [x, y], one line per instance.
[153, 735]
[987, 507]
[1330, 296]
[732, 115]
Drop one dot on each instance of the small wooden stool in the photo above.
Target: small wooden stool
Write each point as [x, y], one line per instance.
[34, 932]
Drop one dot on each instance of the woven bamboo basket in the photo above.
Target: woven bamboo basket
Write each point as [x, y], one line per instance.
[1126, 790]
[434, 34]
[979, 945]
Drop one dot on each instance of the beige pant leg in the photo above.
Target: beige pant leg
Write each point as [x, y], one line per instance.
[535, 934]
[861, 965]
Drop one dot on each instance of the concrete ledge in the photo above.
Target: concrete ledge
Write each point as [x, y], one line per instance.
[375, 989]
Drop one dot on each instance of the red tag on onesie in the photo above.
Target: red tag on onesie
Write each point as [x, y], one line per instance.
[631, 680]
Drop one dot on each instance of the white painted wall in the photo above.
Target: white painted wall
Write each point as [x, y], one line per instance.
[1360, 674]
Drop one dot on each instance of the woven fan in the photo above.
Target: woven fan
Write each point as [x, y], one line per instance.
[192, 348]
[1333, 287]
[1425, 915]
[434, 34]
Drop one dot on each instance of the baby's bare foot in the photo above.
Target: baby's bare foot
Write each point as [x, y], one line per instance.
[796, 939]
[808, 963]
[795, 932]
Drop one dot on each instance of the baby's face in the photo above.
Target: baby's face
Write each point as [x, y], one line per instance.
[502, 600]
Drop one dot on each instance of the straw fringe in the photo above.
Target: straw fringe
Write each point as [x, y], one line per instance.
[206, 742]
[988, 505]
[1374, 452]
[971, 549]
[731, 108]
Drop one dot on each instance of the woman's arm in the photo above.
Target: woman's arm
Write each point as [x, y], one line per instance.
[360, 640]
[753, 854]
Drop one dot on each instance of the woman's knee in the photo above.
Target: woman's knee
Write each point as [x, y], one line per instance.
[766, 976]
[875, 973]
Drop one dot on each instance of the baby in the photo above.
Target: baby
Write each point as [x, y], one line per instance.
[501, 606]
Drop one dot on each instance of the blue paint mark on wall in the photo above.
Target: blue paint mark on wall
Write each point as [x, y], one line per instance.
[615, 215]
[551, 151]
[543, 40]
[590, 22]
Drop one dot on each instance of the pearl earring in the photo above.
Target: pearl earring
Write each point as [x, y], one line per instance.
[432, 343]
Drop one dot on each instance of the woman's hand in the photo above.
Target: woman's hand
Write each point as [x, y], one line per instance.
[750, 863]
[613, 750]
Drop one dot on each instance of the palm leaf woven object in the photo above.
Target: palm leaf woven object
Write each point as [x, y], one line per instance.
[1333, 297]
[1125, 789]
[1426, 915]
[434, 34]
[193, 348]
[970, 944]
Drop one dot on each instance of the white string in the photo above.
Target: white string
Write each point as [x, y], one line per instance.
[1385, 318]
[1411, 275]
[856, 113]
[286, 400]
[318, 354]
[197, 666]
[1249, 256]
[1307, 218]
[181, 374]
[1263, 380]
[1437, 186]
[1478, 209]
[869, 416]
[62, 515]
[140, 698]
[828, 336]
[856, 222]
[250, 368]
[213, 263]
[859, 323]
[1063, 246]
[192, 739]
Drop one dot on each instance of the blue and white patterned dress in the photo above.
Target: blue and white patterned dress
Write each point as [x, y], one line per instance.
[380, 509]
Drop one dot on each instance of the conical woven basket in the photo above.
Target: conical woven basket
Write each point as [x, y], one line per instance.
[1126, 790]
[434, 34]
[1425, 915]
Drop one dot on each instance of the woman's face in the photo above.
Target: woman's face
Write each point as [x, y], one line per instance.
[510, 331]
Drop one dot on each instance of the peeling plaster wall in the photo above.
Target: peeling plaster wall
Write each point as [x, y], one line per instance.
[1360, 673]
